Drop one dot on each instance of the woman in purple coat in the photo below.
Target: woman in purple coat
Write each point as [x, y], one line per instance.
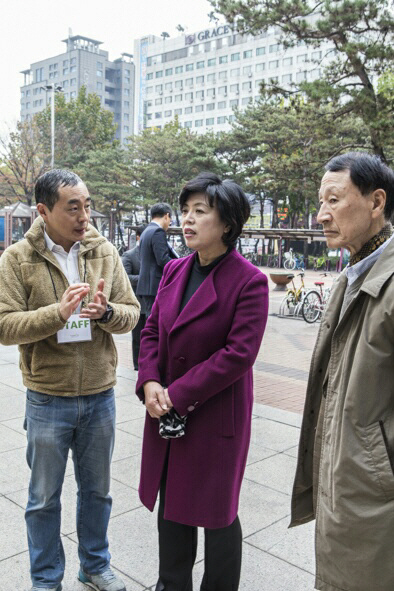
[195, 377]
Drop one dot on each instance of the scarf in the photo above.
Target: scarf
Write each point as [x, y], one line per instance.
[372, 244]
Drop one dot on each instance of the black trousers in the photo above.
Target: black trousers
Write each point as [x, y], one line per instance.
[148, 302]
[136, 339]
[178, 548]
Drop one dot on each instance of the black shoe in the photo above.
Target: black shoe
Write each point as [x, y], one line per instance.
[136, 368]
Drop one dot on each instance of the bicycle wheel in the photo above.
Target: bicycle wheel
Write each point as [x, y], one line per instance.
[289, 264]
[311, 307]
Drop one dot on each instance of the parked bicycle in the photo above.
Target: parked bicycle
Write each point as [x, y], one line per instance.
[315, 301]
[273, 260]
[293, 261]
[292, 302]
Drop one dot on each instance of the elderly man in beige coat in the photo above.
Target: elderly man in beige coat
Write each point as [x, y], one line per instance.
[345, 475]
[63, 291]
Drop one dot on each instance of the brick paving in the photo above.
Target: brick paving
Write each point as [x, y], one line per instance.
[282, 365]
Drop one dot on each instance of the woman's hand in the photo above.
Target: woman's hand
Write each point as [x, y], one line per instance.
[157, 401]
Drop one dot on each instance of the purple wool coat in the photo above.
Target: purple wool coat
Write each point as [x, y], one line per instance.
[205, 356]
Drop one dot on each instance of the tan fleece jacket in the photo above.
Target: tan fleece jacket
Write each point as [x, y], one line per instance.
[29, 314]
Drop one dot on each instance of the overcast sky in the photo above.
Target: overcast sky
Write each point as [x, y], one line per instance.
[32, 30]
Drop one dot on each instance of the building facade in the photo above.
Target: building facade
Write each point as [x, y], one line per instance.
[202, 77]
[83, 64]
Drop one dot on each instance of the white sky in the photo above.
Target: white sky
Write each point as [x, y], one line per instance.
[32, 30]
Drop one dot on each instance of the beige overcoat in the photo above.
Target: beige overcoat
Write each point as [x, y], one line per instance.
[345, 475]
[31, 286]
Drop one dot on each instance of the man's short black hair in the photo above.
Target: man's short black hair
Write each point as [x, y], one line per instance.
[231, 201]
[159, 210]
[46, 190]
[140, 229]
[369, 173]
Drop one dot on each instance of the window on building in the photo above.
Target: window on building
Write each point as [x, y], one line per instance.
[126, 128]
[168, 86]
[211, 78]
[274, 48]
[200, 94]
[179, 84]
[158, 115]
[200, 79]
[247, 100]
[126, 91]
[211, 62]
[169, 71]
[99, 86]
[209, 121]
[199, 108]
[247, 70]
[65, 71]
[178, 112]
[188, 110]
[287, 61]
[27, 105]
[189, 82]
[188, 96]
[210, 106]
[73, 94]
[188, 123]
[260, 67]
[274, 80]
[179, 70]
[302, 58]
[247, 86]
[287, 78]
[126, 104]
[273, 64]
[234, 103]
[189, 67]
[149, 89]
[316, 55]
[149, 76]
[73, 69]
[99, 73]
[65, 83]
[149, 116]
[159, 74]
[200, 65]
[158, 101]
[235, 57]
[222, 104]
[65, 62]
[27, 92]
[177, 98]
[199, 123]
[234, 88]
[258, 83]
[126, 116]
[260, 51]
[231, 118]
[248, 53]
[73, 61]
[223, 59]
[39, 74]
[159, 88]
[73, 81]
[211, 92]
[222, 75]
[235, 72]
[222, 90]
[221, 120]
[301, 76]
[167, 113]
[168, 100]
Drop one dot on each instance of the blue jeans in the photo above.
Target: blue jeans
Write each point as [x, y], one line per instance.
[56, 424]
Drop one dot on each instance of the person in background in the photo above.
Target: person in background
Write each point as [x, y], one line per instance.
[345, 472]
[63, 293]
[197, 352]
[155, 252]
[131, 263]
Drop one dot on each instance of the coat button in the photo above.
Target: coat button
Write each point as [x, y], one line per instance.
[181, 359]
[190, 408]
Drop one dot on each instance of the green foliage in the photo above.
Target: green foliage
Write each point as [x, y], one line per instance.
[361, 32]
[162, 160]
[81, 125]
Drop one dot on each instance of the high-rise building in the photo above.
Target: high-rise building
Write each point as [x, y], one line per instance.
[202, 77]
[83, 64]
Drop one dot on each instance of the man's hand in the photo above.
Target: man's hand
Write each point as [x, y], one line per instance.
[71, 299]
[96, 309]
[157, 401]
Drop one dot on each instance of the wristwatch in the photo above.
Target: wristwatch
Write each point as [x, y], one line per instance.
[106, 317]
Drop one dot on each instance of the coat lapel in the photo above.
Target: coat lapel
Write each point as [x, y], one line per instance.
[170, 296]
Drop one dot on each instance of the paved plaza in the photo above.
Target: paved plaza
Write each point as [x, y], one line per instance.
[274, 558]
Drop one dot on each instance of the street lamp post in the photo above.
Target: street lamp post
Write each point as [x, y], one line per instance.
[54, 88]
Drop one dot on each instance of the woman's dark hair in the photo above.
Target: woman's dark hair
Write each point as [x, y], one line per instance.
[46, 190]
[369, 173]
[232, 203]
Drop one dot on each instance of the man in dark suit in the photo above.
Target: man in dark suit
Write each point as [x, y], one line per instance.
[155, 252]
[131, 263]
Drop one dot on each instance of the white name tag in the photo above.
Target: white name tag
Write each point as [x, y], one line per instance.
[77, 329]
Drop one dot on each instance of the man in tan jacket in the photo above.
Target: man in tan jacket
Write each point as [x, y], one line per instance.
[63, 291]
[345, 472]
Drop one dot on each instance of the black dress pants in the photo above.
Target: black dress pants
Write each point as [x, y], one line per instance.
[178, 548]
[136, 338]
